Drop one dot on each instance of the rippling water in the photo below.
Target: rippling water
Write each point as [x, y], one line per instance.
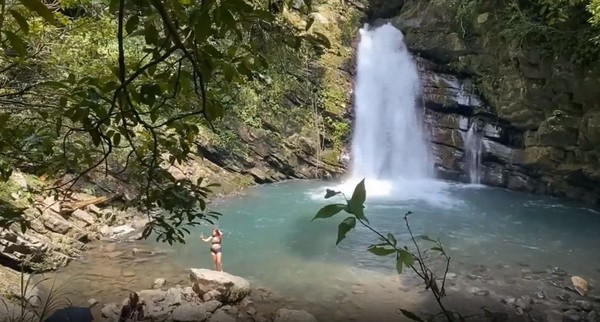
[269, 238]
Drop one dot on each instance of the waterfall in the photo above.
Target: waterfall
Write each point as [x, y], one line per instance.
[473, 147]
[388, 141]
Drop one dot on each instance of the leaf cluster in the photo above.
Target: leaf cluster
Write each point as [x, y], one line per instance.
[389, 245]
[126, 86]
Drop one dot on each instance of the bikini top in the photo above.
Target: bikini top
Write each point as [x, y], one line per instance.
[216, 240]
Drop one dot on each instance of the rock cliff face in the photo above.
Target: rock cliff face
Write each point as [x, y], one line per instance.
[538, 117]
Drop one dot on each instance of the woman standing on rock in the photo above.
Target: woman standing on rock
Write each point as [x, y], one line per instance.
[215, 248]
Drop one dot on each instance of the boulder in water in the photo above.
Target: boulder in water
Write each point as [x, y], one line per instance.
[580, 285]
[285, 315]
[232, 288]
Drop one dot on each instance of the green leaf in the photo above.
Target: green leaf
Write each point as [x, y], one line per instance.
[207, 5]
[214, 111]
[439, 249]
[344, 227]
[329, 211]
[228, 71]
[54, 84]
[322, 39]
[95, 137]
[309, 23]
[264, 15]
[330, 193]
[482, 18]
[356, 203]
[116, 139]
[359, 195]
[403, 258]
[381, 251]
[132, 23]
[16, 43]
[427, 238]
[21, 21]
[411, 315]
[150, 33]
[40, 8]
[392, 239]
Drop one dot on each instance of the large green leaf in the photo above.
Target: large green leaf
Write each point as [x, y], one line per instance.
[40, 8]
[381, 251]
[16, 43]
[21, 21]
[360, 194]
[403, 258]
[344, 227]
[329, 211]
[356, 203]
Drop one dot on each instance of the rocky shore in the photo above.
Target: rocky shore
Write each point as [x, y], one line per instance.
[210, 296]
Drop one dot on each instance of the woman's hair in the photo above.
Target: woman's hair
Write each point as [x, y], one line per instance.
[133, 298]
[216, 230]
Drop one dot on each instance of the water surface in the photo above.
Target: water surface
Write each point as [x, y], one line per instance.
[269, 239]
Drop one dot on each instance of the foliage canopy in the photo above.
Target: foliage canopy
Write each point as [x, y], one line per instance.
[125, 87]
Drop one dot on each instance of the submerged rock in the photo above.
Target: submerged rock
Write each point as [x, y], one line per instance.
[232, 288]
[571, 316]
[584, 305]
[285, 315]
[580, 285]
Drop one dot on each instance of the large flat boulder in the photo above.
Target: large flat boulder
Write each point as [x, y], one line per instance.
[232, 288]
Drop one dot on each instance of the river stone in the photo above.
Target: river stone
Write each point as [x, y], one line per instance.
[580, 285]
[232, 288]
[110, 311]
[584, 305]
[211, 306]
[571, 316]
[221, 316]
[55, 222]
[159, 283]
[156, 313]
[152, 295]
[174, 296]
[211, 295]
[83, 216]
[189, 313]
[285, 315]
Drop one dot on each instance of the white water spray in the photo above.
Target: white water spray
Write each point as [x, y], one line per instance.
[388, 141]
[473, 147]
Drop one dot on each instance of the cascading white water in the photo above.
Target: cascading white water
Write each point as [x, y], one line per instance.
[388, 140]
[473, 147]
